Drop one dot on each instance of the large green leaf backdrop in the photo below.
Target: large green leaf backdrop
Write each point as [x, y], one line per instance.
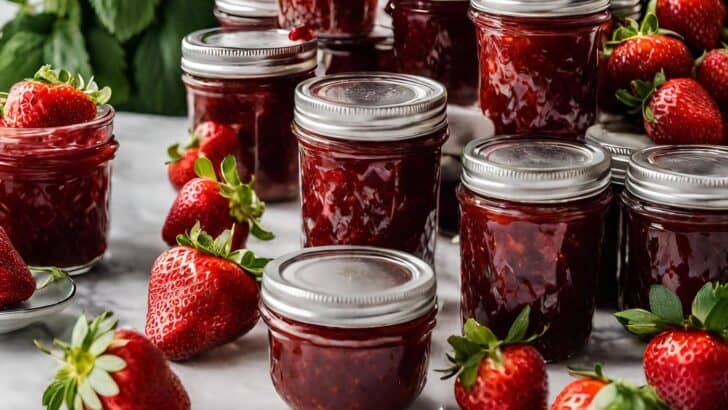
[133, 46]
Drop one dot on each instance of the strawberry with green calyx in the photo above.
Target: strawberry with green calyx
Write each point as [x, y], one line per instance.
[54, 275]
[52, 98]
[678, 111]
[699, 21]
[106, 368]
[498, 374]
[712, 73]
[181, 163]
[638, 52]
[202, 294]
[685, 359]
[594, 391]
[217, 205]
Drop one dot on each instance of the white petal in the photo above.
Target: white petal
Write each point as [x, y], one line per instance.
[90, 399]
[102, 383]
[101, 343]
[110, 363]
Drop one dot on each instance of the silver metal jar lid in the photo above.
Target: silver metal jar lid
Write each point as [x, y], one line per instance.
[248, 8]
[540, 8]
[371, 106]
[226, 53]
[349, 287]
[535, 170]
[683, 176]
[621, 140]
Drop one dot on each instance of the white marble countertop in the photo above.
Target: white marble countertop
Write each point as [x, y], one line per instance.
[237, 373]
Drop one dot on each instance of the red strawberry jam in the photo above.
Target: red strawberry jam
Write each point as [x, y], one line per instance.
[329, 18]
[370, 160]
[374, 52]
[246, 80]
[531, 233]
[54, 191]
[247, 14]
[538, 64]
[675, 222]
[349, 327]
[436, 39]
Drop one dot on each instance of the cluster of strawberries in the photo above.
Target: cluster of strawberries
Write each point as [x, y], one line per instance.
[651, 69]
[684, 362]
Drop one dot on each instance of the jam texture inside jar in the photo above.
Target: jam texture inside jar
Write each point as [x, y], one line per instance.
[538, 63]
[436, 39]
[329, 18]
[247, 14]
[374, 52]
[55, 190]
[675, 221]
[246, 80]
[531, 233]
[349, 327]
[370, 148]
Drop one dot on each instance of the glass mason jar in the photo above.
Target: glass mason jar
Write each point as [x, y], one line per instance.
[247, 14]
[55, 187]
[538, 63]
[370, 147]
[246, 80]
[675, 222]
[374, 52]
[436, 39]
[349, 327]
[531, 233]
[621, 140]
[329, 18]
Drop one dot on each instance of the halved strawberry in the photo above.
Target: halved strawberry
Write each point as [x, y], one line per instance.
[53, 98]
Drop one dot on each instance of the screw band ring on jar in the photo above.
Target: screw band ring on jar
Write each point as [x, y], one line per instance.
[540, 8]
[682, 176]
[621, 140]
[535, 170]
[371, 106]
[248, 8]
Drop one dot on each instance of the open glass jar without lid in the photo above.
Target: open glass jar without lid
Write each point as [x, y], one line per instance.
[246, 81]
[359, 319]
[531, 233]
[370, 160]
[675, 221]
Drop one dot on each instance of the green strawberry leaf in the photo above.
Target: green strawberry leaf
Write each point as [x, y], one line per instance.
[204, 169]
[108, 60]
[480, 335]
[20, 57]
[66, 49]
[469, 373]
[717, 320]
[518, 329]
[666, 304]
[638, 316]
[126, 18]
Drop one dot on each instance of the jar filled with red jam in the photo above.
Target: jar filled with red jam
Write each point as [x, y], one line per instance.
[370, 148]
[349, 327]
[538, 63]
[374, 52]
[675, 222]
[532, 233]
[436, 39]
[621, 140]
[55, 186]
[329, 18]
[246, 80]
[247, 14]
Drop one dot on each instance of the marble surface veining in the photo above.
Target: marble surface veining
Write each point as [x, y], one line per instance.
[234, 376]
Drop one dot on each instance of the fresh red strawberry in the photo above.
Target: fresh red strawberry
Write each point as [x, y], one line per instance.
[678, 111]
[53, 98]
[217, 142]
[16, 282]
[712, 73]
[593, 390]
[181, 164]
[498, 374]
[110, 369]
[202, 294]
[639, 52]
[686, 361]
[216, 205]
[699, 21]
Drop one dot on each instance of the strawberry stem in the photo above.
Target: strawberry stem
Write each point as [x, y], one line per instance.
[54, 275]
[47, 74]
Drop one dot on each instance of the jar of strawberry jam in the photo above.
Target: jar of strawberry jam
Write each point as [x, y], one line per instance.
[247, 14]
[349, 327]
[675, 222]
[329, 18]
[621, 140]
[370, 160]
[436, 39]
[538, 63]
[55, 186]
[374, 52]
[531, 233]
[246, 80]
